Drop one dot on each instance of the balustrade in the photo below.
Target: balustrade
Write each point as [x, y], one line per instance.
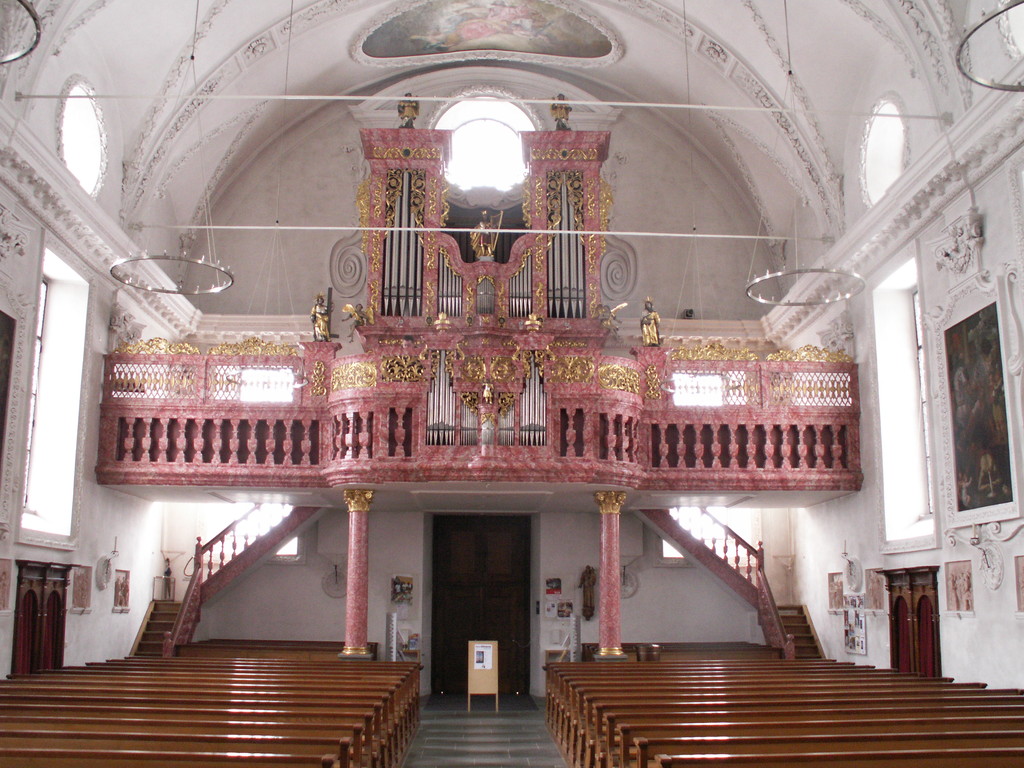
[752, 424]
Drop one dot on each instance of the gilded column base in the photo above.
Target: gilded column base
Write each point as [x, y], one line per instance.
[610, 654]
[356, 653]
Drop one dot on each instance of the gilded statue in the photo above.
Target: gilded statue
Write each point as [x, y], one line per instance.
[650, 325]
[408, 111]
[560, 112]
[320, 315]
[484, 237]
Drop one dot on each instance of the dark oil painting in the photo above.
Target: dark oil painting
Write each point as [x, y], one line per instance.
[6, 364]
[981, 442]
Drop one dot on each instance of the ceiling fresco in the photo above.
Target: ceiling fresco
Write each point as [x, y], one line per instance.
[460, 26]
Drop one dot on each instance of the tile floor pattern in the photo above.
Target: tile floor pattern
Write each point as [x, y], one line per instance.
[514, 737]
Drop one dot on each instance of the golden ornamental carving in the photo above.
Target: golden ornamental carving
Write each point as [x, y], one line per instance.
[809, 354]
[554, 153]
[395, 183]
[254, 346]
[157, 346]
[474, 369]
[711, 351]
[573, 181]
[471, 400]
[354, 376]
[568, 343]
[318, 379]
[401, 368]
[506, 401]
[569, 370]
[653, 384]
[390, 342]
[606, 204]
[619, 377]
[610, 502]
[358, 499]
[406, 153]
[503, 369]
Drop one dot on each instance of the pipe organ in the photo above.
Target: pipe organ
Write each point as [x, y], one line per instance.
[489, 368]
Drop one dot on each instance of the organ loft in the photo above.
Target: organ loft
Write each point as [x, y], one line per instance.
[487, 353]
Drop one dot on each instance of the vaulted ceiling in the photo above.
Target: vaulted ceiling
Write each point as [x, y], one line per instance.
[192, 98]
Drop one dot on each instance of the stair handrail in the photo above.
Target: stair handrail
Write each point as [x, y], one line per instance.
[221, 538]
[188, 615]
[767, 609]
[768, 612]
[755, 554]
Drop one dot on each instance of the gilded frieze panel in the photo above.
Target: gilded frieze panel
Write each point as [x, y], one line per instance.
[619, 377]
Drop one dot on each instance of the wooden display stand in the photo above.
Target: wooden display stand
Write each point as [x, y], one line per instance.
[482, 672]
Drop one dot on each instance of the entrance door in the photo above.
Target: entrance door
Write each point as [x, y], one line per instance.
[913, 621]
[481, 592]
[39, 617]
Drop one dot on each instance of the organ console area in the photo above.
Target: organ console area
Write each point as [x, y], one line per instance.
[483, 358]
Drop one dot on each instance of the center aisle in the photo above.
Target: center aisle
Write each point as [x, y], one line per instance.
[515, 737]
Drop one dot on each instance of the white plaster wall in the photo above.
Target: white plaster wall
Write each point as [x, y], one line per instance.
[102, 514]
[986, 645]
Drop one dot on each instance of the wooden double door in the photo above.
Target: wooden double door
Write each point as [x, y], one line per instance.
[39, 617]
[914, 620]
[481, 592]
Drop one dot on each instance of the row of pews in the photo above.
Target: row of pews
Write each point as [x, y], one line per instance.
[775, 713]
[207, 712]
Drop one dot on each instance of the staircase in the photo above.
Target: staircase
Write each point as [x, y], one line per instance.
[222, 560]
[162, 614]
[739, 565]
[798, 626]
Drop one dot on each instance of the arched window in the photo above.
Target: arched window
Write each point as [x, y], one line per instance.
[486, 150]
[82, 140]
[884, 150]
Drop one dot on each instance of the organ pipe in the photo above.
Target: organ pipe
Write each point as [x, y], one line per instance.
[403, 258]
[441, 405]
[566, 264]
[533, 409]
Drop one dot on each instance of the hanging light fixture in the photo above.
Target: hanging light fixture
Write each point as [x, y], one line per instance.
[817, 285]
[988, 22]
[183, 274]
[167, 273]
[20, 30]
[777, 288]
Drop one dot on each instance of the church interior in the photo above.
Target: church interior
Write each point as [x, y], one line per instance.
[599, 330]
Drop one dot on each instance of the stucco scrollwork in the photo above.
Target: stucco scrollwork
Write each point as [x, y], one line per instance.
[838, 337]
[348, 267]
[618, 270]
[12, 242]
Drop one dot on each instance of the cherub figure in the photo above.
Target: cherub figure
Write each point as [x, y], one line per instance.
[607, 316]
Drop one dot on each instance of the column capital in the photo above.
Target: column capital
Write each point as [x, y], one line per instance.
[358, 499]
[610, 502]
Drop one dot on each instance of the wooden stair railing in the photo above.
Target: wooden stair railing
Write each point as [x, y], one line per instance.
[218, 563]
[729, 557]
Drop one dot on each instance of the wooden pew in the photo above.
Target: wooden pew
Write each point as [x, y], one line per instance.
[945, 757]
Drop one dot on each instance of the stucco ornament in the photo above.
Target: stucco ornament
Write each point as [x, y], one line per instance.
[838, 337]
[960, 251]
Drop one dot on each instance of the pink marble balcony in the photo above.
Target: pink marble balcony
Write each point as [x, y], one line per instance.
[647, 422]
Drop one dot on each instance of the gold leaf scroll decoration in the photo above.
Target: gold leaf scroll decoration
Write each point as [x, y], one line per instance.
[354, 376]
[254, 346]
[157, 346]
[620, 378]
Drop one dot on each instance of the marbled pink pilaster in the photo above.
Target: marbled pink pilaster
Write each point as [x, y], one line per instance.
[358, 501]
[609, 604]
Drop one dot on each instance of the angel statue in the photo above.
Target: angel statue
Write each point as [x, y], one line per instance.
[607, 316]
[560, 112]
[320, 315]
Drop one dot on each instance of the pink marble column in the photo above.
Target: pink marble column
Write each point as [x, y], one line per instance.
[358, 501]
[609, 605]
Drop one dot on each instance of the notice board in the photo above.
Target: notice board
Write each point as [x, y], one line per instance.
[482, 672]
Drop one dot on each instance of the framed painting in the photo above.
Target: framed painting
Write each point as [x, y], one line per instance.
[122, 591]
[81, 588]
[6, 566]
[835, 591]
[6, 362]
[983, 466]
[874, 589]
[959, 587]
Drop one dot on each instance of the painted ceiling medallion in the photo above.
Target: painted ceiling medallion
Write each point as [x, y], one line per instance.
[470, 26]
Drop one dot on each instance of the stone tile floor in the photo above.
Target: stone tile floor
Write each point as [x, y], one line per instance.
[513, 737]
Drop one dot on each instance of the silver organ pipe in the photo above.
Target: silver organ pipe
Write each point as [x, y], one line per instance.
[468, 433]
[403, 259]
[533, 409]
[566, 265]
[521, 290]
[449, 288]
[441, 405]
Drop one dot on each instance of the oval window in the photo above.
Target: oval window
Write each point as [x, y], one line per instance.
[884, 150]
[82, 139]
